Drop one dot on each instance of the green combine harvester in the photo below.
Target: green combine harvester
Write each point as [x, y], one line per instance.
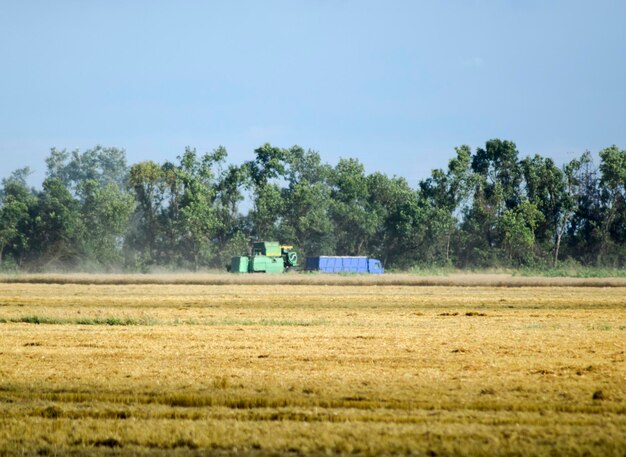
[266, 257]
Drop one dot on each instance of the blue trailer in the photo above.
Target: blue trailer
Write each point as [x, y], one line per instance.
[343, 264]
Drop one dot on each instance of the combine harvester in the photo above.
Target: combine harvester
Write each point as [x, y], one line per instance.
[266, 257]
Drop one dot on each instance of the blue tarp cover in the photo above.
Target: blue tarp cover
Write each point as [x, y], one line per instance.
[343, 264]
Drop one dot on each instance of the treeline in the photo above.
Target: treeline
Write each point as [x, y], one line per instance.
[489, 208]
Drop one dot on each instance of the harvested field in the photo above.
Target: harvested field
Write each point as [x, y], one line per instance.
[191, 368]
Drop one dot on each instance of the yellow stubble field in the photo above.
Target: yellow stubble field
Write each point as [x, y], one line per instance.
[268, 369]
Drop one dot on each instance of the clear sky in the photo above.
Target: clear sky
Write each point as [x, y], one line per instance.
[397, 84]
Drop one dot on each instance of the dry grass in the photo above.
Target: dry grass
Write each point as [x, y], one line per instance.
[318, 279]
[311, 369]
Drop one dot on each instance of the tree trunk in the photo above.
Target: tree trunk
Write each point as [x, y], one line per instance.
[360, 247]
[606, 233]
[556, 249]
[559, 236]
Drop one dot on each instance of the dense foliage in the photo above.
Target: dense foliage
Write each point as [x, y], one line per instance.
[489, 208]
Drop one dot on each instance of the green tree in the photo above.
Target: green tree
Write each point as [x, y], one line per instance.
[613, 188]
[443, 196]
[198, 223]
[306, 221]
[354, 223]
[496, 187]
[570, 201]
[398, 236]
[57, 227]
[498, 165]
[147, 180]
[556, 193]
[584, 234]
[105, 211]
[16, 201]
[405, 229]
[230, 237]
[264, 172]
[545, 188]
[98, 179]
[101, 164]
[517, 227]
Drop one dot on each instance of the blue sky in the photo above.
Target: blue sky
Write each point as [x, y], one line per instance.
[397, 84]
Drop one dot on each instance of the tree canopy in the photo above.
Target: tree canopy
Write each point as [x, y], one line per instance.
[488, 208]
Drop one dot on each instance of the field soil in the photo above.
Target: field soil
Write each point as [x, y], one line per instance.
[185, 368]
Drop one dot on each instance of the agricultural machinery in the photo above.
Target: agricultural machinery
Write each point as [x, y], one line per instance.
[265, 257]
